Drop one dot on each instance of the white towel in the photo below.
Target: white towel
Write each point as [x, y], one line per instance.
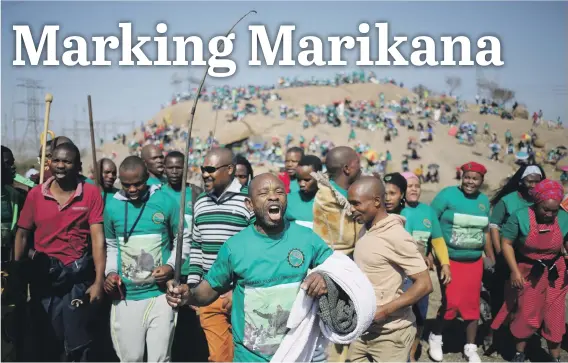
[305, 326]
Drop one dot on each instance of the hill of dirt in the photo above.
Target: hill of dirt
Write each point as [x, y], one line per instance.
[444, 151]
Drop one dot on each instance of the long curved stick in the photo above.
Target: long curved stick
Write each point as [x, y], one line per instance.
[48, 100]
[179, 246]
[96, 170]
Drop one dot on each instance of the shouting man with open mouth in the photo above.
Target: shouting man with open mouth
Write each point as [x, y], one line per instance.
[266, 274]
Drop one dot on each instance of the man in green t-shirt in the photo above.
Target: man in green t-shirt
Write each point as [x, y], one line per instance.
[154, 159]
[174, 172]
[293, 157]
[266, 276]
[301, 203]
[108, 174]
[139, 221]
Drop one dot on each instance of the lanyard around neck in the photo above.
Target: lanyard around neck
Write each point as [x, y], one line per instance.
[127, 233]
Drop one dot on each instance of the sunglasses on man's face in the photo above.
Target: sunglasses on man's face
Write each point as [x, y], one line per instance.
[212, 169]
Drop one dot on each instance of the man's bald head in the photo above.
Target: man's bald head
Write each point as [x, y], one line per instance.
[263, 179]
[133, 163]
[268, 200]
[370, 186]
[148, 150]
[366, 196]
[154, 159]
[343, 160]
[221, 154]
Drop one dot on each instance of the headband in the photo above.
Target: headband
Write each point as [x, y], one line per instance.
[532, 169]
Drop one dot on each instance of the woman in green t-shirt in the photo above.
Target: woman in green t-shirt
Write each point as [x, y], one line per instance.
[511, 197]
[463, 212]
[422, 223]
[532, 242]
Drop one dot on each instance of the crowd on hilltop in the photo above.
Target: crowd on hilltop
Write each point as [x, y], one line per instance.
[322, 261]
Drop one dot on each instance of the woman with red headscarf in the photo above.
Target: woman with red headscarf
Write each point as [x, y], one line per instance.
[532, 240]
[463, 212]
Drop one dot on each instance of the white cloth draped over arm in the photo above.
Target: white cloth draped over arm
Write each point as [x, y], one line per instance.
[305, 326]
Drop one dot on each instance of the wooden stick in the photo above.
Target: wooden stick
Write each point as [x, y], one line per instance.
[93, 148]
[48, 100]
[179, 247]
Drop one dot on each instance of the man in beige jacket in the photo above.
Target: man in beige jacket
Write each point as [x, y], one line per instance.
[386, 254]
[332, 213]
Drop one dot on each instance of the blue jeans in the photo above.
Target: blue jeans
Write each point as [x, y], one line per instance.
[420, 309]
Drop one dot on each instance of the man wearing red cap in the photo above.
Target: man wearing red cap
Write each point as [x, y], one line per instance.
[532, 242]
[464, 218]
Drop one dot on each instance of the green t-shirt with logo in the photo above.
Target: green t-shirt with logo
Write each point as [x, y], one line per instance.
[505, 207]
[299, 210]
[149, 245]
[176, 195]
[422, 223]
[464, 221]
[266, 276]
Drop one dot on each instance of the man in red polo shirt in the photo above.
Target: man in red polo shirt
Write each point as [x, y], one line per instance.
[65, 216]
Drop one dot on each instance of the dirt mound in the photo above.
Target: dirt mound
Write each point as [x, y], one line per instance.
[444, 151]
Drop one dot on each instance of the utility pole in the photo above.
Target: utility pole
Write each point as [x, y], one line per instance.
[176, 84]
[33, 102]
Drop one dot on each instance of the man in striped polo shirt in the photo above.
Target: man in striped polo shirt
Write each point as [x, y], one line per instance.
[219, 213]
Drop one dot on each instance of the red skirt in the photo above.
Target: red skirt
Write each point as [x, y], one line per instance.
[462, 295]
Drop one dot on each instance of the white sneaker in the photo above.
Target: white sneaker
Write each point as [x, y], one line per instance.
[470, 352]
[435, 347]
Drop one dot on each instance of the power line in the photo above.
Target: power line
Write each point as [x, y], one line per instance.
[32, 89]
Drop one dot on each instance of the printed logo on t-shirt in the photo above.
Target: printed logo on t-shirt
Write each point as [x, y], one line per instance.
[158, 218]
[482, 207]
[427, 223]
[266, 313]
[296, 258]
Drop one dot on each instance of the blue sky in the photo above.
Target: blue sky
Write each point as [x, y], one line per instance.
[533, 37]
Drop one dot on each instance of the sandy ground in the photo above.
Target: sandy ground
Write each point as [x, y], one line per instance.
[454, 338]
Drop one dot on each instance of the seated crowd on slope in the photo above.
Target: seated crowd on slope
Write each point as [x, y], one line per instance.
[99, 261]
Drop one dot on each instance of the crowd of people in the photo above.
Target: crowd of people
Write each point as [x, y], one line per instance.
[90, 265]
